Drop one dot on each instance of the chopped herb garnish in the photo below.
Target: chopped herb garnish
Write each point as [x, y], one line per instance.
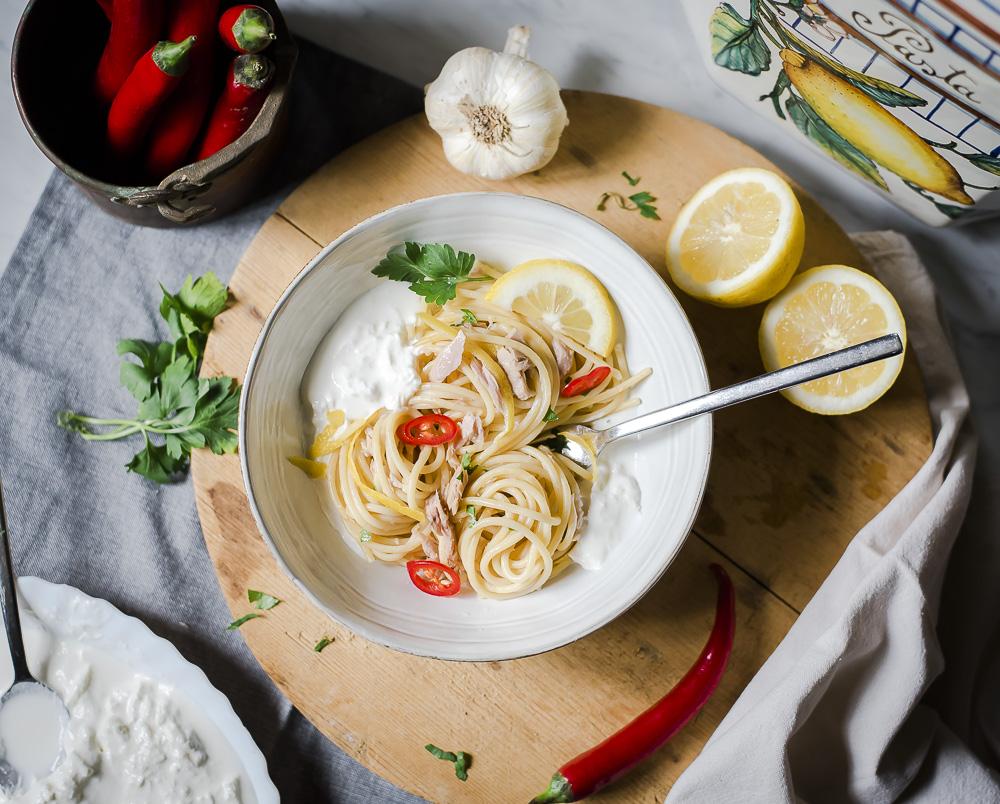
[262, 600]
[640, 202]
[432, 269]
[178, 411]
[550, 416]
[643, 202]
[365, 536]
[470, 511]
[469, 317]
[240, 620]
[462, 761]
[633, 181]
[467, 465]
[324, 642]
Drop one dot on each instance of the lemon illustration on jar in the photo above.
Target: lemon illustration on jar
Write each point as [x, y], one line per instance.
[866, 125]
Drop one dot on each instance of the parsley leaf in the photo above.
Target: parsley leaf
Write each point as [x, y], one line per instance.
[469, 317]
[470, 511]
[467, 465]
[461, 760]
[244, 619]
[177, 411]
[323, 643]
[262, 600]
[433, 270]
[364, 536]
[633, 181]
[550, 416]
[640, 202]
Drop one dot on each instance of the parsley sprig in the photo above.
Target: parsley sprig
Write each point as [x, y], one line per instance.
[432, 269]
[641, 201]
[460, 759]
[177, 411]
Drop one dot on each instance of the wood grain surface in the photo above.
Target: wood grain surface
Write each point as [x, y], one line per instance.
[786, 493]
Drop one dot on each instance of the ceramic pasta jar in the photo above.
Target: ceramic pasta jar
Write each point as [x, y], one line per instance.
[905, 95]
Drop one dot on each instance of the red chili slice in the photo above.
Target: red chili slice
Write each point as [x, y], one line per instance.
[588, 382]
[427, 431]
[434, 578]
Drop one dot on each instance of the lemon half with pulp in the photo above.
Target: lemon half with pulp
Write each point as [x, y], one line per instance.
[824, 309]
[738, 240]
[565, 296]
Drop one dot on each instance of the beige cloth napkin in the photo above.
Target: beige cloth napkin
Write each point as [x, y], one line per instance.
[835, 714]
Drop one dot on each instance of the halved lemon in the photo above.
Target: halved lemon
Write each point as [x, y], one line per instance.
[738, 240]
[563, 295]
[824, 309]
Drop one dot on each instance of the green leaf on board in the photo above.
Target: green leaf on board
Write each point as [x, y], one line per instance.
[244, 619]
[262, 600]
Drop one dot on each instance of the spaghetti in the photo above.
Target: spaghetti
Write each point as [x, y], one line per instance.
[487, 502]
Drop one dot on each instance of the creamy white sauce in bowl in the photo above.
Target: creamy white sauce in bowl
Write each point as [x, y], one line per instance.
[366, 361]
[144, 726]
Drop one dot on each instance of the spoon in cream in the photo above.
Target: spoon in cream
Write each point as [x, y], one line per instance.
[32, 716]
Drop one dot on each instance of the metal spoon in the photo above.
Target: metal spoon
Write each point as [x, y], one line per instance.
[23, 682]
[568, 442]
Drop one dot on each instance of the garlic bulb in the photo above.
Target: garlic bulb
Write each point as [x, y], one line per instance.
[498, 114]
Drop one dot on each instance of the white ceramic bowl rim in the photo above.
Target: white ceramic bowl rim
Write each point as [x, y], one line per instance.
[357, 625]
[127, 637]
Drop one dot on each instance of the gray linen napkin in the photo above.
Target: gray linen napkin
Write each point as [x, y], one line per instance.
[79, 281]
[836, 713]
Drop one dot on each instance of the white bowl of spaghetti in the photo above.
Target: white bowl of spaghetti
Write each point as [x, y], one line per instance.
[515, 518]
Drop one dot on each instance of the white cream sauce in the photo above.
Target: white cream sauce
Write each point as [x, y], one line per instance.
[614, 511]
[128, 738]
[366, 361]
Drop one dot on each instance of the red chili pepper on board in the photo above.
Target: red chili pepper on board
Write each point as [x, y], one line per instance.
[588, 382]
[150, 83]
[434, 578]
[107, 7]
[246, 29]
[184, 115]
[427, 431]
[135, 27]
[247, 87]
[627, 747]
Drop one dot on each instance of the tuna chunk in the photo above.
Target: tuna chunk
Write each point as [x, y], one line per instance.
[564, 357]
[441, 527]
[448, 359]
[515, 366]
[470, 431]
[488, 380]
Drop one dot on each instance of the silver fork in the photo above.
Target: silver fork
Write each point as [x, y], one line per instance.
[841, 360]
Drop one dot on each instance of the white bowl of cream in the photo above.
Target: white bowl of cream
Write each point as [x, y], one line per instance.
[145, 726]
[333, 340]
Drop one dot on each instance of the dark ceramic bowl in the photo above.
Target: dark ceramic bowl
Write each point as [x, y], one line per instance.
[56, 49]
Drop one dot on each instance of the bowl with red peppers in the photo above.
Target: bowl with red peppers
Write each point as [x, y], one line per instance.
[164, 112]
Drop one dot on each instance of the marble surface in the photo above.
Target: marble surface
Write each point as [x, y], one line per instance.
[645, 50]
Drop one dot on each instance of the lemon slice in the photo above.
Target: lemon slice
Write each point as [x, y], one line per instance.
[738, 240]
[824, 309]
[563, 295]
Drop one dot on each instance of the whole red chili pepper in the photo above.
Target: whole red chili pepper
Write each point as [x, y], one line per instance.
[184, 115]
[627, 747]
[149, 84]
[245, 91]
[246, 29]
[135, 27]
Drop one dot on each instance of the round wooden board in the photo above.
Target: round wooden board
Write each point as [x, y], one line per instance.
[787, 490]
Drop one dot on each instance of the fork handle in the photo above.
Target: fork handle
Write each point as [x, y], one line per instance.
[8, 603]
[813, 369]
